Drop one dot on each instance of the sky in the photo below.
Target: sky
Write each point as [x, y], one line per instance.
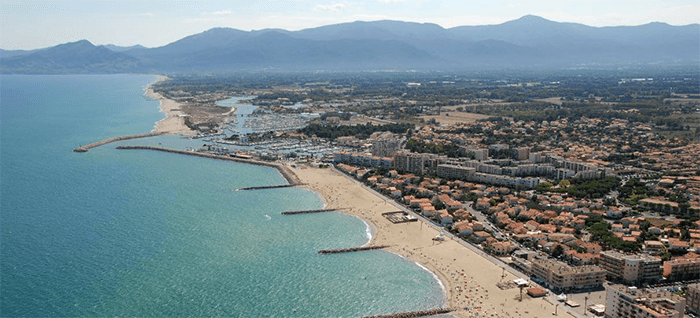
[152, 23]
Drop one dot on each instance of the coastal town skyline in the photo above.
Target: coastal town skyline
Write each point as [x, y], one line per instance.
[39, 24]
[350, 158]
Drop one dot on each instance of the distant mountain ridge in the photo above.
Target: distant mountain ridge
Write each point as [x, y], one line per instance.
[530, 41]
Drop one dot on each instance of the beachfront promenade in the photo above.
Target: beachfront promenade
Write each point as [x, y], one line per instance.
[114, 139]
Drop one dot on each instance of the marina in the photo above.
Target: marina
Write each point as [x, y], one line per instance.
[288, 175]
[282, 146]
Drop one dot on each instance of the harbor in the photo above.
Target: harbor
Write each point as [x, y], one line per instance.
[284, 171]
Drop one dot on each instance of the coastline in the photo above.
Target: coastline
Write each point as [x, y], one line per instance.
[174, 122]
[468, 279]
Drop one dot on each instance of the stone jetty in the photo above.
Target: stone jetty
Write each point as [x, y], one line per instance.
[411, 314]
[292, 178]
[311, 211]
[270, 187]
[352, 249]
[113, 139]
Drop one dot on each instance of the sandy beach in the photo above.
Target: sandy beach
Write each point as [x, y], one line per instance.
[173, 122]
[468, 278]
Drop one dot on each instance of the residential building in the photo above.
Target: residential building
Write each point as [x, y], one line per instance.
[561, 276]
[455, 172]
[500, 248]
[682, 269]
[523, 153]
[654, 247]
[418, 163]
[480, 236]
[631, 302]
[631, 269]
[385, 144]
[692, 298]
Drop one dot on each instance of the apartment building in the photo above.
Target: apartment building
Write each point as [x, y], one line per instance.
[363, 159]
[418, 163]
[455, 172]
[631, 269]
[692, 298]
[561, 276]
[682, 269]
[631, 302]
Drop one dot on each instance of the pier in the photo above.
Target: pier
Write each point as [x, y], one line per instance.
[411, 314]
[113, 139]
[311, 211]
[284, 171]
[352, 249]
[270, 187]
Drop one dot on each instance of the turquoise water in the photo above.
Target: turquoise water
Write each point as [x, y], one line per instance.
[139, 233]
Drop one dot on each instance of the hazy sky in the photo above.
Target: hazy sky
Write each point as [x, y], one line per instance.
[37, 24]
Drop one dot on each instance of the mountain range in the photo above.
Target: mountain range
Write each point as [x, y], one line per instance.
[530, 41]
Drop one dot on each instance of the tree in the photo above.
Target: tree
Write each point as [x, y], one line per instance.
[558, 251]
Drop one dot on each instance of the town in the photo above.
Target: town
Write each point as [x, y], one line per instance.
[590, 188]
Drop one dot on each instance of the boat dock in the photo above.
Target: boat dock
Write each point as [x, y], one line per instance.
[352, 249]
[113, 139]
[411, 314]
[311, 211]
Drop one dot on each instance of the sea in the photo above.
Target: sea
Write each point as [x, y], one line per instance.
[143, 233]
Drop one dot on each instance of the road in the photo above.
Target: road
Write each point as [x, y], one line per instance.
[486, 222]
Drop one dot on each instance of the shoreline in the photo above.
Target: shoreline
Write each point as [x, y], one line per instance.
[468, 279]
[174, 122]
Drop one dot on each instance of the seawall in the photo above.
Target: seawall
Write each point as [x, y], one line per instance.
[113, 139]
[286, 173]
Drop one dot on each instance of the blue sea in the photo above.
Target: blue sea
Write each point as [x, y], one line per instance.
[141, 233]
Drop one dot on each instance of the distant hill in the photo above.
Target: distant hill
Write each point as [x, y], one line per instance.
[71, 58]
[570, 43]
[530, 41]
[13, 53]
[116, 48]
